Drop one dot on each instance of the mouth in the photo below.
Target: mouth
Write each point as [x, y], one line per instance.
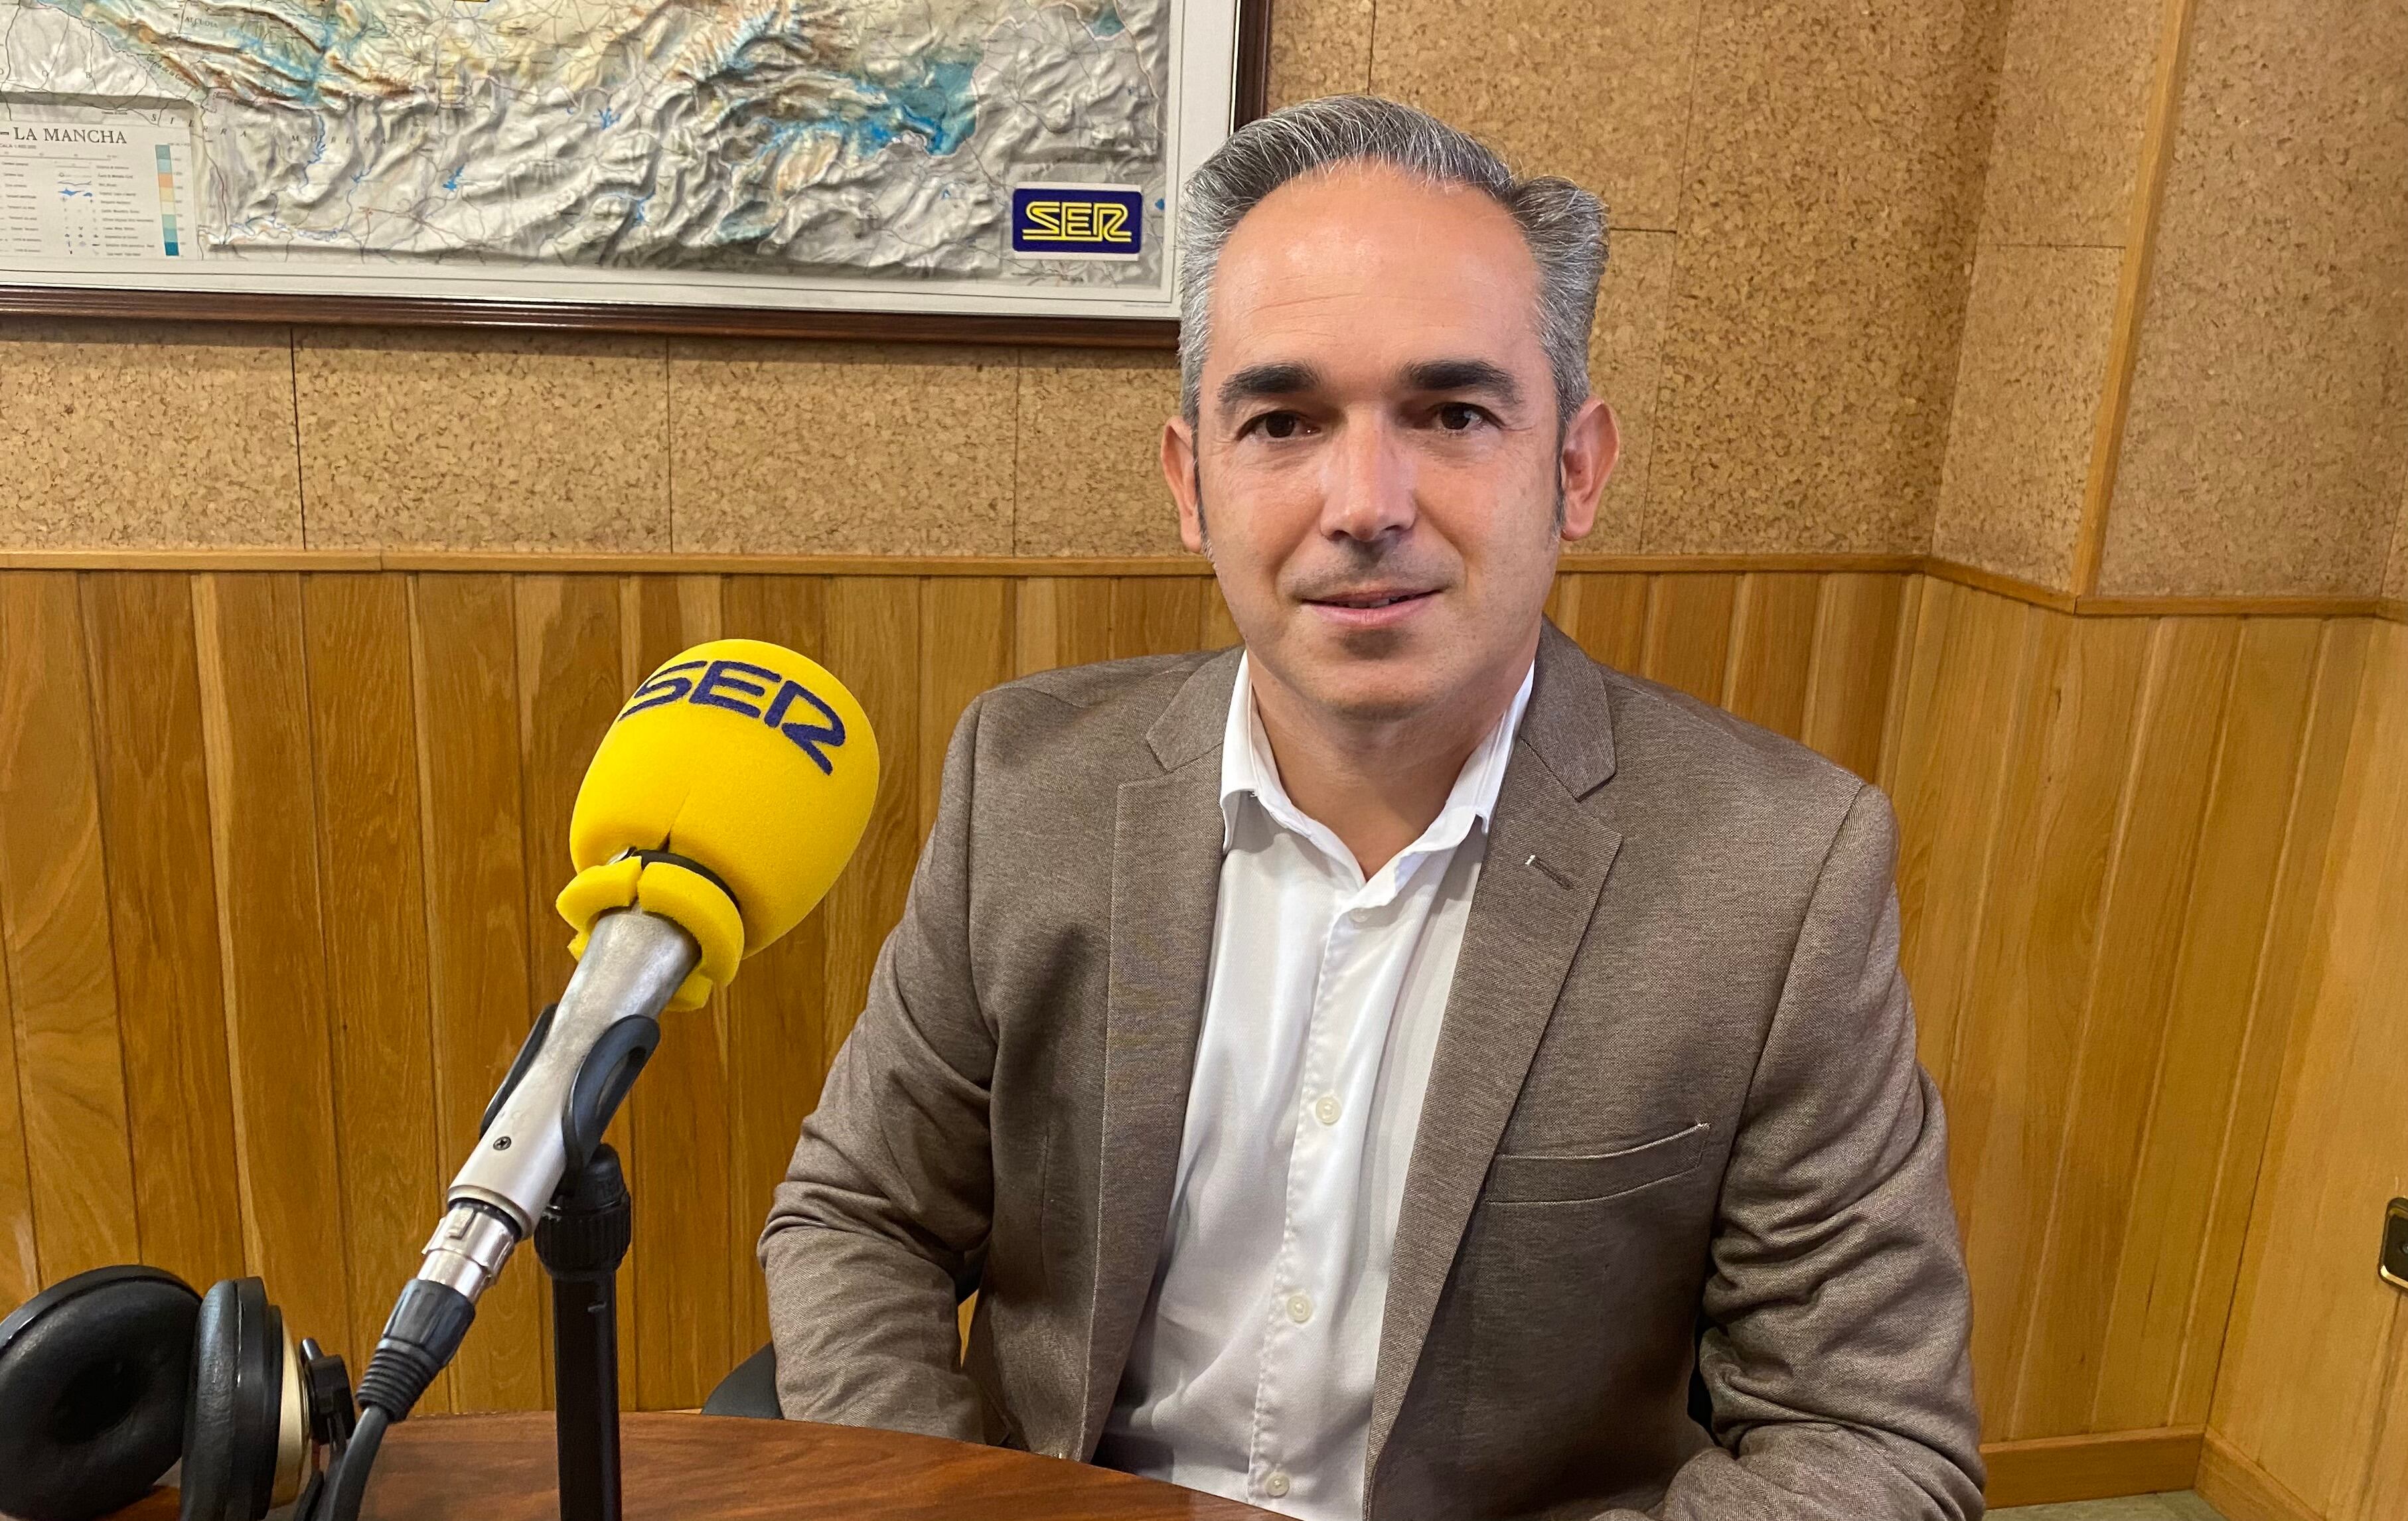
[1374, 606]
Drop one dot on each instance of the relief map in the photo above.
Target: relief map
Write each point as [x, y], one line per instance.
[880, 138]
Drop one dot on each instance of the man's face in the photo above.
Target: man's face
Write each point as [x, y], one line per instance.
[1377, 447]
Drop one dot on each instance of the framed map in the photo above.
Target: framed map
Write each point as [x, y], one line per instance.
[741, 166]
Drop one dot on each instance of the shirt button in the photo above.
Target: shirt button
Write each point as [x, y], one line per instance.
[1299, 1309]
[1276, 1486]
[1327, 1108]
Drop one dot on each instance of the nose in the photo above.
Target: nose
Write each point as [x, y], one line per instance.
[1368, 485]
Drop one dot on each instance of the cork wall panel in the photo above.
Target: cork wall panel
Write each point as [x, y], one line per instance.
[827, 447]
[1319, 48]
[1788, 196]
[1626, 366]
[2266, 438]
[147, 435]
[2060, 191]
[2030, 369]
[1795, 199]
[2072, 104]
[421, 438]
[1508, 77]
[1086, 460]
[1812, 339]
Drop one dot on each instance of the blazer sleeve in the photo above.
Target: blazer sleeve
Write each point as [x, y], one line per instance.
[883, 1214]
[1838, 1310]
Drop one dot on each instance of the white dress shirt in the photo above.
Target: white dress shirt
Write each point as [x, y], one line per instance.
[1251, 1374]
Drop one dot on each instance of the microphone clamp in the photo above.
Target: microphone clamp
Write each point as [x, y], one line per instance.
[563, 1089]
[585, 1056]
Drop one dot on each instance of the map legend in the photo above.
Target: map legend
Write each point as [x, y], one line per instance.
[87, 185]
[167, 199]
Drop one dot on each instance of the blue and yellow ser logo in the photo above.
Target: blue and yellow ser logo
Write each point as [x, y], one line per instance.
[1078, 221]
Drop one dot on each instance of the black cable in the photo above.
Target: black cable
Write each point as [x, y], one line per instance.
[352, 1477]
[426, 1329]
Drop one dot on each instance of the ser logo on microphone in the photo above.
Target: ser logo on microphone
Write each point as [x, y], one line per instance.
[726, 684]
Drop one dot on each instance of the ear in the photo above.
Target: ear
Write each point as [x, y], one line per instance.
[1592, 442]
[1179, 473]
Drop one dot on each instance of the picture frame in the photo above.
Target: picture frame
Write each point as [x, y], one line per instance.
[760, 304]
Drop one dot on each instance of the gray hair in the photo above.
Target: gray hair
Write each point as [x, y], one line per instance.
[1563, 224]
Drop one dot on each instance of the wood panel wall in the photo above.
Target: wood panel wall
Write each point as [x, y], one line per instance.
[276, 858]
[2311, 1416]
[276, 851]
[2113, 828]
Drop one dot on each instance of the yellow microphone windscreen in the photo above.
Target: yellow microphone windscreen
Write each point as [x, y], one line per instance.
[741, 775]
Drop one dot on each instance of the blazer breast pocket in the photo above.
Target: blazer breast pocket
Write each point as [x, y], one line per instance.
[1523, 1179]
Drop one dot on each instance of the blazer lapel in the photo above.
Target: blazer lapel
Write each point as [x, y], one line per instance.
[1546, 864]
[1166, 839]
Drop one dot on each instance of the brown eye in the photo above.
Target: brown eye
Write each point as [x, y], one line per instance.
[1457, 416]
[1281, 425]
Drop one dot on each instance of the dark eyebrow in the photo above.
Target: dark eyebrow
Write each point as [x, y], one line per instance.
[1464, 375]
[1285, 378]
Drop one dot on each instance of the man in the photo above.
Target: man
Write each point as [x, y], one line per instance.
[1363, 1074]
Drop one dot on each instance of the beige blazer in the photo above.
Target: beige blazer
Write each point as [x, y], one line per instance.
[1676, 1086]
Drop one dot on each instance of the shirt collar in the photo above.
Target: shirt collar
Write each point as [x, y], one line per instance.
[1248, 769]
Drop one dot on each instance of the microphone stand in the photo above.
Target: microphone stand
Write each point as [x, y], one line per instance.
[582, 1239]
[634, 958]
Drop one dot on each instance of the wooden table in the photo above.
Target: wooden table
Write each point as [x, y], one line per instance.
[500, 1468]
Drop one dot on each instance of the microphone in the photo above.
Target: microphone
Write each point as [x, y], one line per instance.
[723, 800]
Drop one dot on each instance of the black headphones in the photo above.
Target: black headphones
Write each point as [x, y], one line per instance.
[108, 1378]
